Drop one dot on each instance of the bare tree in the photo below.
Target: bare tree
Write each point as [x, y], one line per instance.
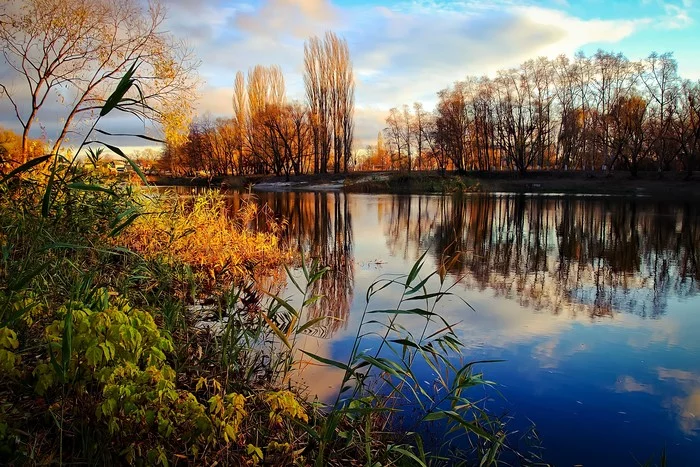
[266, 98]
[395, 135]
[662, 84]
[330, 93]
[419, 131]
[686, 125]
[76, 50]
[516, 118]
[240, 115]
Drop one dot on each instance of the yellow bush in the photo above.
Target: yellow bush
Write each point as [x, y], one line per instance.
[204, 235]
[284, 403]
[8, 343]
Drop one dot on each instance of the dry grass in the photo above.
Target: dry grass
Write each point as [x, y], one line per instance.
[204, 234]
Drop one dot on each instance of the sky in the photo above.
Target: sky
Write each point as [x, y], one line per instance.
[406, 51]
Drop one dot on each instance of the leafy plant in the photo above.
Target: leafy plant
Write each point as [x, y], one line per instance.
[379, 384]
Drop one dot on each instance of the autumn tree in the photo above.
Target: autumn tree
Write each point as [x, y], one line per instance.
[395, 136]
[419, 129]
[11, 149]
[330, 93]
[628, 132]
[483, 124]
[452, 124]
[240, 114]
[265, 100]
[76, 51]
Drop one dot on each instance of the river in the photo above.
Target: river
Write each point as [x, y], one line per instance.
[592, 303]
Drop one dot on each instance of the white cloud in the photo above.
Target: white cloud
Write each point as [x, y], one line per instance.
[401, 55]
[299, 18]
[676, 16]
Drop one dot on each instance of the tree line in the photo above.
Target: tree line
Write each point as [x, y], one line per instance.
[600, 112]
[268, 134]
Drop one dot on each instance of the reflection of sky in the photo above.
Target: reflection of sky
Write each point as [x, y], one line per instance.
[601, 390]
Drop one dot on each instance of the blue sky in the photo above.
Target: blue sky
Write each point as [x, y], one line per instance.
[407, 51]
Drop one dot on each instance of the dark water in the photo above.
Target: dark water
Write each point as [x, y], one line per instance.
[591, 301]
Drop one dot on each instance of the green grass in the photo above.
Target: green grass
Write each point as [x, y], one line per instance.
[414, 182]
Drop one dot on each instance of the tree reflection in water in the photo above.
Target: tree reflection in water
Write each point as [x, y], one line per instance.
[318, 223]
[562, 257]
[555, 254]
[575, 255]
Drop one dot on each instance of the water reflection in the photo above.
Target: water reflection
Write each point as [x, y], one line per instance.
[592, 303]
[556, 254]
[320, 225]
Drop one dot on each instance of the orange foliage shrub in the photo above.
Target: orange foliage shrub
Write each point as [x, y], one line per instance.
[202, 233]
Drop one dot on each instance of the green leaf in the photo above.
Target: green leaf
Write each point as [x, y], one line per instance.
[490, 458]
[310, 323]
[67, 344]
[415, 269]
[149, 138]
[434, 416]
[88, 187]
[383, 364]
[46, 200]
[311, 300]
[121, 89]
[24, 279]
[283, 303]
[124, 224]
[413, 311]
[318, 274]
[303, 266]
[371, 291]
[328, 361]
[276, 330]
[429, 295]
[26, 166]
[406, 342]
[93, 355]
[408, 454]
[307, 428]
[289, 274]
[158, 353]
[420, 285]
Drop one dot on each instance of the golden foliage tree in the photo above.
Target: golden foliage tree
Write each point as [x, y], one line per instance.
[76, 50]
[330, 93]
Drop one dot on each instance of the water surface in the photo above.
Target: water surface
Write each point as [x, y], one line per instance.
[592, 303]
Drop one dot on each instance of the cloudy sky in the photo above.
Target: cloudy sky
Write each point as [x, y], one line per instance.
[407, 51]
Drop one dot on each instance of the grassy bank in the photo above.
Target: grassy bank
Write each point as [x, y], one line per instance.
[147, 330]
[666, 186]
[407, 183]
[662, 186]
[107, 361]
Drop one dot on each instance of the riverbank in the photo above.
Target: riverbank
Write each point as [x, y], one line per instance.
[668, 185]
[154, 329]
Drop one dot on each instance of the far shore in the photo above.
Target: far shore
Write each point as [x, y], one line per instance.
[665, 185]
